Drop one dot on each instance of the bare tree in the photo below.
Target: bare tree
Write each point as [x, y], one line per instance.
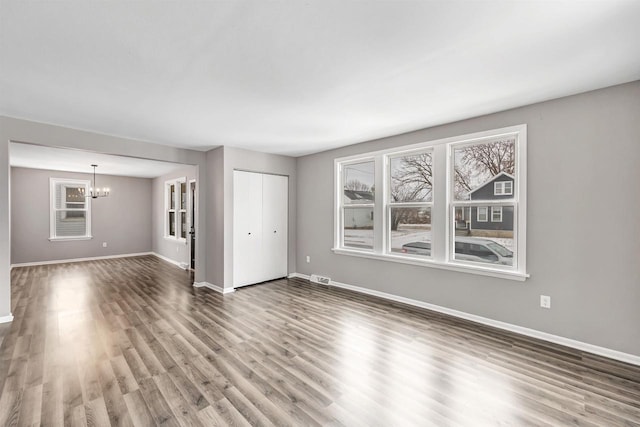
[411, 181]
[356, 185]
[480, 162]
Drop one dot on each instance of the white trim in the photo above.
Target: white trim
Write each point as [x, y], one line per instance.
[556, 339]
[503, 188]
[216, 288]
[169, 260]
[66, 261]
[63, 239]
[6, 319]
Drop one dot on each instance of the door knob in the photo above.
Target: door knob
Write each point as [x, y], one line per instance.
[274, 231]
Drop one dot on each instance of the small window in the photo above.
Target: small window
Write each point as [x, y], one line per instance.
[69, 209]
[176, 209]
[483, 214]
[496, 213]
[503, 188]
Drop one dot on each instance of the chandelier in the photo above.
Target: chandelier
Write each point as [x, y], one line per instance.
[95, 192]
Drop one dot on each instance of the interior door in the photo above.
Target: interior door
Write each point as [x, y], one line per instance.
[275, 207]
[247, 228]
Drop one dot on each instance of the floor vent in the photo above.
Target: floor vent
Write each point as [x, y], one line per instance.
[316, 278]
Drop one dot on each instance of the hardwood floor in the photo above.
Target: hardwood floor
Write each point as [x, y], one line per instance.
[130, 342]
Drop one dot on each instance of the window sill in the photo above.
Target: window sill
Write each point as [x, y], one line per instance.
[463, 268]
[64, 239]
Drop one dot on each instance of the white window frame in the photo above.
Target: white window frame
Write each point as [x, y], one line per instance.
[391, 204]
[53, 210]
[500, 188]
[442, 205]
[341, 205]
[498, 210]
[176, 209]
[484, 209]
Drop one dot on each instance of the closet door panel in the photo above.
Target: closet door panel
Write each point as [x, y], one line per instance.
[275, 209]
[248, 260]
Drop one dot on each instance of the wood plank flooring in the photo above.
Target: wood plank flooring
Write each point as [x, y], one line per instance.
[131, 342]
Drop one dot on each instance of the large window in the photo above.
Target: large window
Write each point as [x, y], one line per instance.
[176, 209]
[457, 203]
[70, 216]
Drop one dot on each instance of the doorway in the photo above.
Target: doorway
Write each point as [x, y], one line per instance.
[192, 223]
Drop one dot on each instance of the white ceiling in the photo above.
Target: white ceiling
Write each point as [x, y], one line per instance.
[301, 77]
[60, 159]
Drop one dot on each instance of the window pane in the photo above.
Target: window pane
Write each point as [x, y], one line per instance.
[358, 182]
[183, 195]
[172, 223]
[358, 228]
[411, 231]
[479, 166]
[69, 196]
[183, 224]
[482, 213]
[484, 242]
[411, 178]
[172, 196]
[71, 224]
[496, 214]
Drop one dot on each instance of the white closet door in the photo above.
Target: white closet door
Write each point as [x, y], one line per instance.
[275, 209]
[248, 260]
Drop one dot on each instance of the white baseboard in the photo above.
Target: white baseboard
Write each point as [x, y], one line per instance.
[66, 261]
[213, 287]
[169, 260]
[578, 345]
[6, 319]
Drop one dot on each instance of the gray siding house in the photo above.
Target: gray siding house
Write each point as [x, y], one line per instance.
[499, 187]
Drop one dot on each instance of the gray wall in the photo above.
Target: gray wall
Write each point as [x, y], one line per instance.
[235, 158]
[172, 249]
[215, 217]
[39, 133]
[121, 220]
[5, 226]
[583, 157]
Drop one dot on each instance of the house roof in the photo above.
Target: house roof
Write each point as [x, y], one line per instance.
[365, 196]
[493, 178]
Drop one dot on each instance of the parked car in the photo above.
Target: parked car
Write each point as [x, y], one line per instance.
[473, 249]
[417, 248]
[483, 250]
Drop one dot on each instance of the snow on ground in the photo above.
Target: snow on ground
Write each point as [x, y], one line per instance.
[364, 238]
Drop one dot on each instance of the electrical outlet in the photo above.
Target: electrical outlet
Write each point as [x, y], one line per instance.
[308, 258]
[545, 301]
[104, 244]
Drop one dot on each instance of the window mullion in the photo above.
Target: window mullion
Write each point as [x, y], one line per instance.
[439, 214]
[379, 214]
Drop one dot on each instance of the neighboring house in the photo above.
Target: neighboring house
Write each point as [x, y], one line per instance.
[357, 217]
[488, 218]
